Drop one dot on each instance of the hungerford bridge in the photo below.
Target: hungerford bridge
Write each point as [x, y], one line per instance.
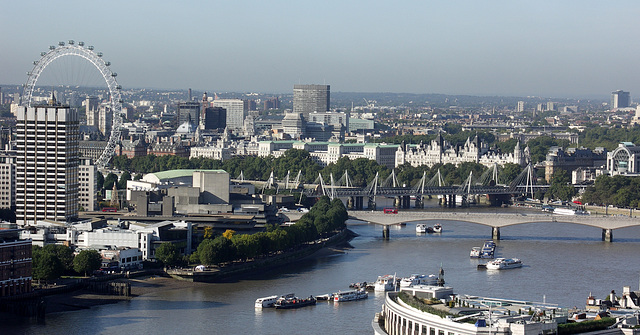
[485, 185]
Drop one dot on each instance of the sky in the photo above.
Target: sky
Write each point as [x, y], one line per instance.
[508, 48]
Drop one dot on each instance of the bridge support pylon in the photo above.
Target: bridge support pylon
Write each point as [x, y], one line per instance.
[607, 235]
[419, 203]
[495, 233]
[385, 232]
[372, 203]
[359, 203]
[406, 201]
[397, 202]
[350, 204]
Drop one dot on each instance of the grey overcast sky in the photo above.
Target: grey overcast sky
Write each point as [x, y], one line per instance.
[537, 48]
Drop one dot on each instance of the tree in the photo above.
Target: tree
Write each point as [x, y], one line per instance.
[122, 184]
[99, 180]
[560, 187]
[63, 253]
[109, 180]
[46, 265]
[87, 261]
[167, 253]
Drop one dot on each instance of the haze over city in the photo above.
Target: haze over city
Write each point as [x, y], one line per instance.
[530, 48]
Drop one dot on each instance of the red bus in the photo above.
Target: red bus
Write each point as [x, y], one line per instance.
[109, 209]
[390, 210]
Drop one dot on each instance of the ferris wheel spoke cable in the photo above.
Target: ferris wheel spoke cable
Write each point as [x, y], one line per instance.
[86, 52]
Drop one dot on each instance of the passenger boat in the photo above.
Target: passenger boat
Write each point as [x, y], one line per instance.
[266, 302]
[569, 211]
[504, 263]
[289, 302]
[350, 295]
[488, 249]
[475, 252]
[421, 228]
[437, 228]
[416, 279]
[385, 283]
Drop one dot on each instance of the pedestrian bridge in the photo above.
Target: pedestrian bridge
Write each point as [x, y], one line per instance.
[497, 220]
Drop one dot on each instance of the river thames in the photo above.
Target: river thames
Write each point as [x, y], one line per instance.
[563, 264]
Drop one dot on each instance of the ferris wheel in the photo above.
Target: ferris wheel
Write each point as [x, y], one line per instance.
[95, 58]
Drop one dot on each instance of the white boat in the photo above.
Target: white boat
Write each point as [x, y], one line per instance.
[385, 283]
[421, 228]
[416, 279]
[266, 302]
[504, 263]
[569, 211]
[350, 295]
[475, 252]
[437, 228]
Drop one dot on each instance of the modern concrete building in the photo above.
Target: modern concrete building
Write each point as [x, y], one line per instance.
[311, 98]
[47, 163]
[8, 179]
[620, 99]
[87, 185]
[237, 111]
[188, 112]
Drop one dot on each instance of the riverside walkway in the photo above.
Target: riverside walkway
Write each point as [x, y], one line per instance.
[498, 220]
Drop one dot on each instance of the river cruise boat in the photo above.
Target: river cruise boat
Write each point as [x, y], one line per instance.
[570, 211]
[385, 283]
[421, 228]
[504, 263]
[416, 279]
[294, 302]
[488, 249]
[350, 295]
[266, 302]
[475, 252]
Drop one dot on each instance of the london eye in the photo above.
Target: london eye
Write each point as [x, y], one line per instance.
[87, 53]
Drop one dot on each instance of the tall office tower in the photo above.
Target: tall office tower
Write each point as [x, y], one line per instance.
[237, 111]
[46, 163]
[620, 99]
[311, 98]
[189, 111]
[214, 118]
[520, 107]
[91, 105]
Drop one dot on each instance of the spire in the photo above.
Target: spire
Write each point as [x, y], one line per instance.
[52, 99]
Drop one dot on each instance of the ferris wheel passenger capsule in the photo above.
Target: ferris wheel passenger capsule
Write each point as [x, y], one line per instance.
[51, 47]
[71, 42]
[81, 44]
[61, 44]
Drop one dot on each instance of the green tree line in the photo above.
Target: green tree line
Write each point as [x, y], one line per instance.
[53, 261]
[322, 219]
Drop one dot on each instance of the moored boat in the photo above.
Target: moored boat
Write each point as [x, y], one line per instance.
[475, 252]
[421, 228]
[437, 228]
[488, 249]
[416, 279]
[385, 283]
[504, 263]
[266, 302]
[350, 295]
[294, 302]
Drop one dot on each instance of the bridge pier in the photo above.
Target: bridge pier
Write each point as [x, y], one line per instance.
[419, 203]
[372, 203]
[406, 201]
[385, 232]
[397, 202]
[495, 233]
[451, 200]
[359, 203]
[607, 235]
[350, 204]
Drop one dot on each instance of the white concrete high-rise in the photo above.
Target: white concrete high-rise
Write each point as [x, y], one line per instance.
[237, 111]
[46, 163]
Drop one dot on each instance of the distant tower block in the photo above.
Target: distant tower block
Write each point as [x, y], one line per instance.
[311, 98]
